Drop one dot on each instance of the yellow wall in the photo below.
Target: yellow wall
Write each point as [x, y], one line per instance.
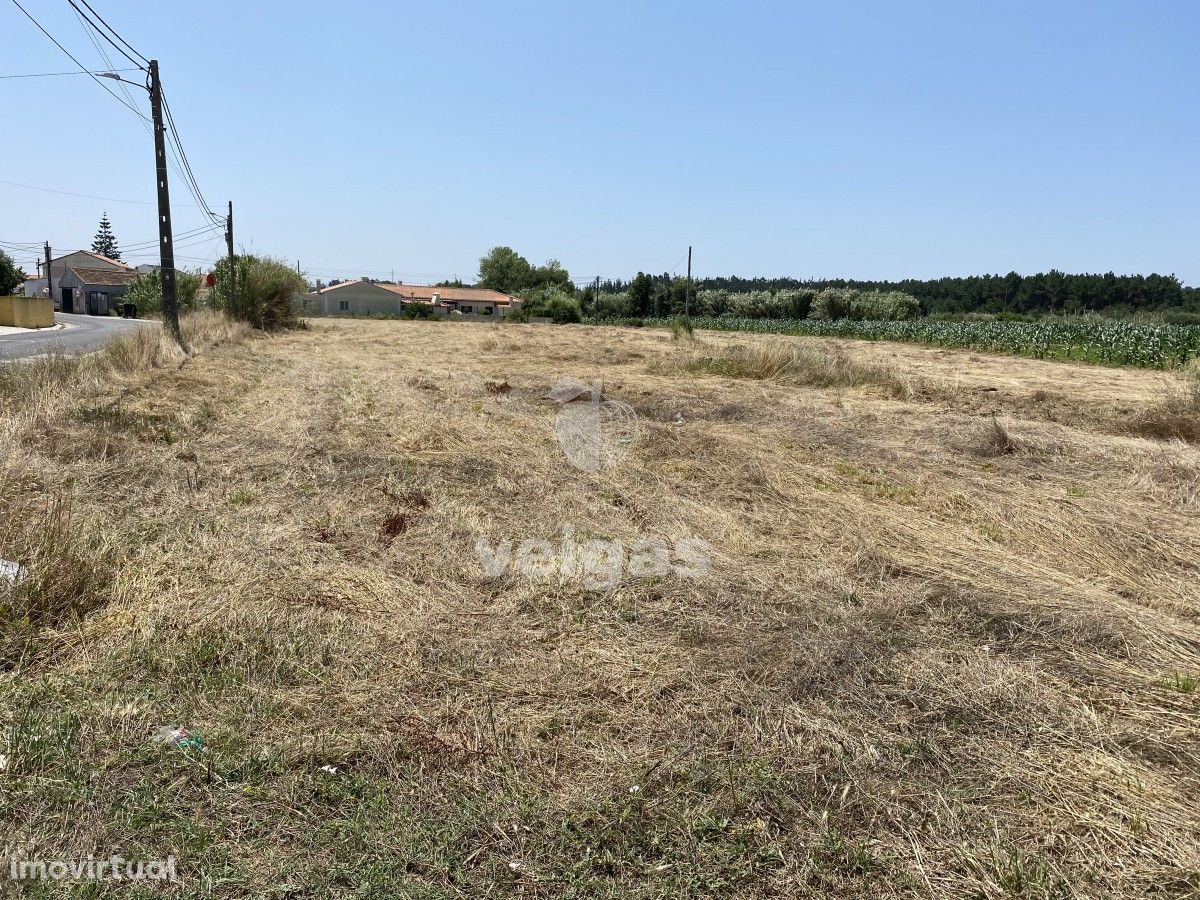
[26, 312]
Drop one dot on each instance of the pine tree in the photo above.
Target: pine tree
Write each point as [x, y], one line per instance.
[105, 242]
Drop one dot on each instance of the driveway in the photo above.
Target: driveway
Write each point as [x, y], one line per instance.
[80, 334]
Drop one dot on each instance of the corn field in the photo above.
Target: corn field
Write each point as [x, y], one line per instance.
[1106, 342]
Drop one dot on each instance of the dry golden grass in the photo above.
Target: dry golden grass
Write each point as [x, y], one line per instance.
[948, 645]
[1177, 415]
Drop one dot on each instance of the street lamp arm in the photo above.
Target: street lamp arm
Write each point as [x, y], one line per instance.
[115, 77]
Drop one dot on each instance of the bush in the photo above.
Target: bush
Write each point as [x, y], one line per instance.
[146, 293]
[1180, 317]
[551, 303]
[847, 303]
[612, 306]
[264, 292]
[416, 311]
[1177, 415]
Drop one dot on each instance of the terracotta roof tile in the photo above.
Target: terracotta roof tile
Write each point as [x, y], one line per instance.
[463, 294]
[112, 277]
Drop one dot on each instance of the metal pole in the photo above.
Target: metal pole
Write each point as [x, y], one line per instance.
[170, 303]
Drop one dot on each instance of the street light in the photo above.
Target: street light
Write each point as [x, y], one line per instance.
[166, 246]
[115, 77]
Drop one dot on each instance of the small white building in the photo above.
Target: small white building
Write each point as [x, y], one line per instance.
[59, 267]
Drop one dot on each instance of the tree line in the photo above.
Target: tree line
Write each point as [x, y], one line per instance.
[1046, 292]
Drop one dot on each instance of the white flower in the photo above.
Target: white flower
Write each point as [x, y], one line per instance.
[3, 762]
[633, 788]
[514, 864]
[329, 770]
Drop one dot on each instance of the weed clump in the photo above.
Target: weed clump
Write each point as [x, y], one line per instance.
[785, 362]
[1177, 416]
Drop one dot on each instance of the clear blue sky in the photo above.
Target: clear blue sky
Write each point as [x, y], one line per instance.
[857, 139]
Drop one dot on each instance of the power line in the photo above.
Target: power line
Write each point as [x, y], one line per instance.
[146, 245]
[116, 47]
[82, 67]
[117, 35]
[187, 165]
[55, 74]
[34, 187]
[88, 28]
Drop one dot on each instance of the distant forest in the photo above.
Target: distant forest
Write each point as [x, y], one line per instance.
[1049, 292]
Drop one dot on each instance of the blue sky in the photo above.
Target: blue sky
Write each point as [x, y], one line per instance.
[855, 139]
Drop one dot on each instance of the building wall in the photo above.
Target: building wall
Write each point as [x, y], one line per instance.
[115, 293]
[59, 268]
[26, 312]
[363, 299]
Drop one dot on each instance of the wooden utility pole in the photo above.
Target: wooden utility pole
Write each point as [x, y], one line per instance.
[231, 299]
[166, 249]
[687, 294]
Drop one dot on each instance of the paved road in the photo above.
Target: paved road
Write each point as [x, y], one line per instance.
[83, 333]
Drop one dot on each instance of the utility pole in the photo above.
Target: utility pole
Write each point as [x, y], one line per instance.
[687, 294]
[49, 279]
[231, 299]
[166, 249]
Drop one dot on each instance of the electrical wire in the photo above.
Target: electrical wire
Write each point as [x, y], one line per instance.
[187, 165]
[173, 156]
[88, 28]
[115, 46]
[182, 236]
[54, 74]
[82, 67]
[115, 33]
[34, 187]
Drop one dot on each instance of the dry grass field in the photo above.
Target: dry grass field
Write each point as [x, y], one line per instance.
[947, 643]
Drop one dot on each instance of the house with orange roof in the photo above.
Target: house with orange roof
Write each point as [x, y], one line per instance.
[60, 266]
[378, 298]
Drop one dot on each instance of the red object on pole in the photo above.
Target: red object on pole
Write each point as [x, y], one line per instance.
[209, 279]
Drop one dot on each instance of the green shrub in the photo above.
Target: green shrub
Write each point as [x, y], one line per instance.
[612, 306]
[551, 303]
[416, 311]
[879, 306]
[264, 291]
[1180, 317]
[681, 329]
[146, 292]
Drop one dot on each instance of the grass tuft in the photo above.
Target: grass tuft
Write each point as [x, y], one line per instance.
[783, 361]
[1177, 415]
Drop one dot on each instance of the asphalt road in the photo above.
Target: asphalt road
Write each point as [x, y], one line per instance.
[82, 334]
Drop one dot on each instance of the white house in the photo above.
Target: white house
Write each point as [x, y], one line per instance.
[376, 298]
[80, 259]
